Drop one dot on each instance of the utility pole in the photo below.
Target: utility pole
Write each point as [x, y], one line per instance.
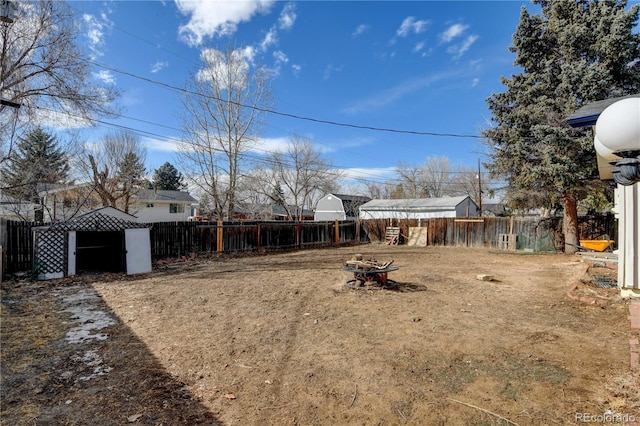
[479, 190]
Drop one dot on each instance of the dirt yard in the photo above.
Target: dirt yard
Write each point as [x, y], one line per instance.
[280, 340]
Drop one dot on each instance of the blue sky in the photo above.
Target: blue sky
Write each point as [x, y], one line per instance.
[417, 66]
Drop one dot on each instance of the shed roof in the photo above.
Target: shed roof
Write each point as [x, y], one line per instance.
[415, 203]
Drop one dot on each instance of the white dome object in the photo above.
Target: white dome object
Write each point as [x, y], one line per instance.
[618, 127]
[604, 152]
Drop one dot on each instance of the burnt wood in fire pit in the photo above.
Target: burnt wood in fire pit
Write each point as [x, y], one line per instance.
[370, 274]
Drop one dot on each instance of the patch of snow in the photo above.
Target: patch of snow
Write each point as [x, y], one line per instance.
[92, 359]
[81, 305]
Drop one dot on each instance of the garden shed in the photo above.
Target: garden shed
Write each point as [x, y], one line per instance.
[339, 207]
[101, 240]
[420, 208]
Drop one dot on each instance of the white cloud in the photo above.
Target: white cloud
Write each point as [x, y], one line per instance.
[270, 38]
[95, 32]
[105, 76]
[280, 56]
[330, 69]
[458, 50]
[475, 82]
[296, 69]
[216, 61]
[158, 66]
[287, 17]
[209, 18]
[266, 145]
[168, 144]
[390, 95]
[452, 32]
[60, 120]
[360, 29]
[410, 25]
[418, 47]
[368, 173]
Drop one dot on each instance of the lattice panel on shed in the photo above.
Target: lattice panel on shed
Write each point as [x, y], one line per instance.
[50, 256]
[97, 222]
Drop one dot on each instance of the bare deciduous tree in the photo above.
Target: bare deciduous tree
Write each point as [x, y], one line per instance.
[223, 114]
[468, 181]
[116, 168]
[42, 68]
[299, 173]
[430, 180]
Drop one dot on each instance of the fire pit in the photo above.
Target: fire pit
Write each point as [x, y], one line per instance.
[369, 274]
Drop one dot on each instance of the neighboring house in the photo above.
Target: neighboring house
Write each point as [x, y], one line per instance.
[14, 209]
[420, 208]
[339, 207]
[60, 202]
[162, 205]
[63, 202]
[279, 213]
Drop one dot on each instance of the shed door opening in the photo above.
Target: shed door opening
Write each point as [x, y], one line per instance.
[100, 251]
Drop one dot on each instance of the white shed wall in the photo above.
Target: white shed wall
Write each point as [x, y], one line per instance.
[389, 214]
[329, 208]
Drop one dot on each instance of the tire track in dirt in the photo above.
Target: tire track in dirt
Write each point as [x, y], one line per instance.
[291, 339]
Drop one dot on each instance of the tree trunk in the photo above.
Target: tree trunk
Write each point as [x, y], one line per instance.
[570, 224]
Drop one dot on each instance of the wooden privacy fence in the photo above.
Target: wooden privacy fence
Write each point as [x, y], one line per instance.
[486, 232]
[175, 239]
[17, 246]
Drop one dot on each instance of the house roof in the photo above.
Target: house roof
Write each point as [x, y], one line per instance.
[280, 211]
[588, 114]
[144, 195]
[404, 204]
[7, 199]
[53, 188]
[151, 195]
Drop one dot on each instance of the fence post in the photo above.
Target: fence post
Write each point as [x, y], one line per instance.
[258, 240]
[337, 225]
[219, 237]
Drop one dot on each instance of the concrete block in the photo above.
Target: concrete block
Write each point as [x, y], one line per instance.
[485, 277]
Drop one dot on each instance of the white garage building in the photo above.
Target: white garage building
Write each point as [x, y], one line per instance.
[420, 208]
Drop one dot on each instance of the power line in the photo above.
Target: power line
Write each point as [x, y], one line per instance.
[284, 114]
[249, 156]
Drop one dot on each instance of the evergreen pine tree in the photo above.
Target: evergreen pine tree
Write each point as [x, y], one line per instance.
[167, 177]
[278, 195]
[37, 159]
[574, 53]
